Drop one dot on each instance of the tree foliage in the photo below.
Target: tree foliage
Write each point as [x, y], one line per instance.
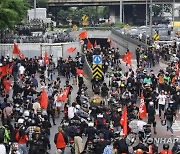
[12, 12]
[75, 14]
[159, 9]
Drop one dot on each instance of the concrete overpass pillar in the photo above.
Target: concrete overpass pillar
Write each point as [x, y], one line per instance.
[112, 17]
[115, 14]
[120, 11]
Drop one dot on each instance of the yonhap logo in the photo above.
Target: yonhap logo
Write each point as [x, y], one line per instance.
[162, 140]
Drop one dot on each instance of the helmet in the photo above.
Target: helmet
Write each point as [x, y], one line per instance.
[91, 124]
[151, 103]
[26, 113]
[166, 146]
[20, 121]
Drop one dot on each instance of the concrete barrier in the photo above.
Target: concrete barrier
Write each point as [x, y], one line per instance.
[31, 50]
[124, 42]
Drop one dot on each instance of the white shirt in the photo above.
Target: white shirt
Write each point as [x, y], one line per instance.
[36, 106]
[71, 111]
[162, 99]
[2, 149]
[21, 70]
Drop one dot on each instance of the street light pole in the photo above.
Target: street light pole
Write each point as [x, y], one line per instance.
[35, 9]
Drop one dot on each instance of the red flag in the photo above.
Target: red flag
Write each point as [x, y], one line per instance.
[70, 50]
[89, 45]
[127, 58]
[10, 69]
[80, 71]
[4, 70]
[123, 120]
[16, 49]
[95, 43]
[108, 40]
[83, 35]
[46, 58]
[142, 108]
[63, 96]
[44, 99]
[7, 85]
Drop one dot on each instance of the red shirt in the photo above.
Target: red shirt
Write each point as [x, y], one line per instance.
[166, 152]
[21, 140]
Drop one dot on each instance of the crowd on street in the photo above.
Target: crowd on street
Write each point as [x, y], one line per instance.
[104, 123]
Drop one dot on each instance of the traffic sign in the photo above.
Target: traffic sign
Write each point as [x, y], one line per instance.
[97, 59]
[156, 36]
[85, 17]
[75, 27]
[97, 71]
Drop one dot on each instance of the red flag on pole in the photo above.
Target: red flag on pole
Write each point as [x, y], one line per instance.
[123, 120]
[95, 43]
[89, 45]
[142, 108]
[127, 58]
[70, 50]
[44, 99]
[46, 58]
[83, 35]
[63, 96]
[16, 49]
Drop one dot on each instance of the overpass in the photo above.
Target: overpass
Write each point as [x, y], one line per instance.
[104, 2]
[127, 11]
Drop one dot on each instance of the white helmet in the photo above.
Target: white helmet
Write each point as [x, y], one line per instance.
[151, 103]
[20, 121]
[26, 113]
[91, 124]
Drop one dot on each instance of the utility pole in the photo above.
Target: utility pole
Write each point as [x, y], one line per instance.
[146, 18]
[173, 5]
[151, 13]
[34, 9]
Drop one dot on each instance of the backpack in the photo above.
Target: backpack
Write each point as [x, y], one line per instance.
[108, 150]
[101, 121]
[2, 132]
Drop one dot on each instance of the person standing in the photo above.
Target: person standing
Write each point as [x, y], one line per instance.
[78, 143]
[169, 116]
[104, 93]
[60, 140]
[151, 116]
[162, 102]
[138, 56]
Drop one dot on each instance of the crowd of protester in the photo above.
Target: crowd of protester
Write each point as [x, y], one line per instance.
[90, 124]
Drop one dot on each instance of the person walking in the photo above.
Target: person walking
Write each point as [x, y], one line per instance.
[169, 116]
[151, 116]
[22, 140]
[60, 140]
[162, 102]
[78, 144]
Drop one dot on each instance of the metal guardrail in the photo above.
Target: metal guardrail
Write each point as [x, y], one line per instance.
[87, 68]
[128, 39]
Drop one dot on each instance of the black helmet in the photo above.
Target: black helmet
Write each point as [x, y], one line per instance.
[166, 146]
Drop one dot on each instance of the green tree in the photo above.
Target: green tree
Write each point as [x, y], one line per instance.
[12, 12]
[158, 9]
